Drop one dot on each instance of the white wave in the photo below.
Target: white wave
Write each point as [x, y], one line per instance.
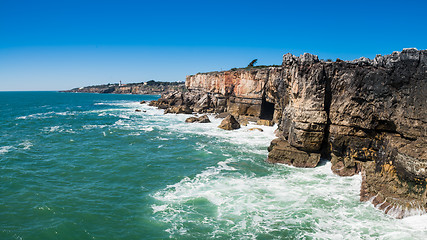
[91, 126]
[308, 202]
[242, 136]
[58, 129]
[46, 115]
[311, 202]
[26, 145]
[37, 115]
[119, 122]
[135, 134]
[147, 129]
[417, 222]
[121, 103]
[66, 113]
[124, 116]
[5, 149]
[46, 208]
[159, 208]
[162, 138]
[53, 129]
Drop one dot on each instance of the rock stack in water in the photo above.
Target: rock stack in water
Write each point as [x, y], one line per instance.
[229, 123]
[365, 116]
[202, 119]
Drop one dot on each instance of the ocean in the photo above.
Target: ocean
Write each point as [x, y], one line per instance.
[88, 166]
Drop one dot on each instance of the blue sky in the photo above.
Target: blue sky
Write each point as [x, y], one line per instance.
[55, 45]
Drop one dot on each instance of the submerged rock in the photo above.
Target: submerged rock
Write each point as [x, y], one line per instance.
[229, 123]
[222, 115]
[204, 119]
[243, 121]
[265, 122]
[184, 109]
[191, 120]
[280, 151]
[258, 129]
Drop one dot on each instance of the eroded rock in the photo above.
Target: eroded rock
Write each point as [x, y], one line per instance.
[202, 119]
[256, 129]
[365, 116]
[265, 122]
[179, 109]
[229, 123]
[192, 119]
[280, 151]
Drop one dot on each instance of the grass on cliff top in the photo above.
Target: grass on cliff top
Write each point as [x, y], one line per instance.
[243, 68]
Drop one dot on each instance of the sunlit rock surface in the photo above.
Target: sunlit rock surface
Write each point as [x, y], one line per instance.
[367, 116]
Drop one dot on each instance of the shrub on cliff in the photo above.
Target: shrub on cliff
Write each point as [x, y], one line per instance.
[252, 63]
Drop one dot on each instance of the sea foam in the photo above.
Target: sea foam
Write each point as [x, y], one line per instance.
[302, 202]
[5, 149]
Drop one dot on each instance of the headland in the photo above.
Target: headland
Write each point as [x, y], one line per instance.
[366, 116]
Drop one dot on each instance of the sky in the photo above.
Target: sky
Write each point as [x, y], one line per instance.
[59, 45]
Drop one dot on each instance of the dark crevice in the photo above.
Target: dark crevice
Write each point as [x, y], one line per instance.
[267, 110]
[385, 126]
[407, 138]
[325, 149]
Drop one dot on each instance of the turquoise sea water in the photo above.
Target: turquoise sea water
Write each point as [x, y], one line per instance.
[87, 166]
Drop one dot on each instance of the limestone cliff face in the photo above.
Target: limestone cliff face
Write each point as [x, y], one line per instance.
[378, 116]
[239, 92]
[367, 116]
[243, 83]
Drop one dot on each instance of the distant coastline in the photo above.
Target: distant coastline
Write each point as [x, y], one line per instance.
[149, 88]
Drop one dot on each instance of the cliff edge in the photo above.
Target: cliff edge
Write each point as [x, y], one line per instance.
[365, 116]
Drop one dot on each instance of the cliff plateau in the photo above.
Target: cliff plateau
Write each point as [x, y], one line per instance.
[365, 116]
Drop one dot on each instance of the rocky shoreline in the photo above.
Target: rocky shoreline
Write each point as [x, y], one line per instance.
[365, 116]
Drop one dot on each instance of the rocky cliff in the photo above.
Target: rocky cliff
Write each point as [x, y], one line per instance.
[151, 87]
[365, 116]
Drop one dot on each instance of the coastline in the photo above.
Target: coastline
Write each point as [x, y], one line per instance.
[157, 176]
[144, 88]
[364, 116]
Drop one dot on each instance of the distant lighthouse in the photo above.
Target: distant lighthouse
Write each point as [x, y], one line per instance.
[120, 83]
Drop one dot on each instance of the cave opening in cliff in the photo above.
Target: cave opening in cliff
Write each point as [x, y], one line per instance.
[267, 110]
